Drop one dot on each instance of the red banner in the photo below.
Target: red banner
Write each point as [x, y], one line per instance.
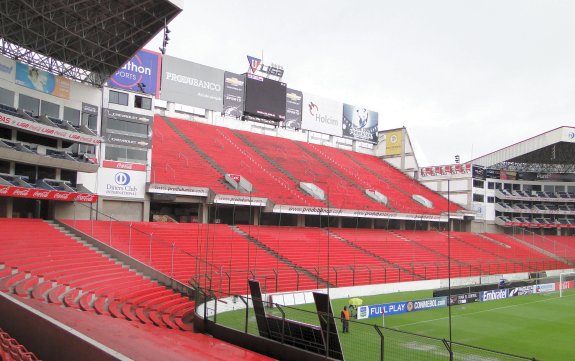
[36, 193]
[124, 165]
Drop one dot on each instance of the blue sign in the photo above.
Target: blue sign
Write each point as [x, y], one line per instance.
[396, 308]
[142, 69]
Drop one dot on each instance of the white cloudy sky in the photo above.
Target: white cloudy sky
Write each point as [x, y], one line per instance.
[464, 77]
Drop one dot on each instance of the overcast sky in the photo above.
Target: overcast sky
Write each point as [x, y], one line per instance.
[464, 77]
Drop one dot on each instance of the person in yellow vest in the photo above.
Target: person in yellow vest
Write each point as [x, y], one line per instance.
[345, 319]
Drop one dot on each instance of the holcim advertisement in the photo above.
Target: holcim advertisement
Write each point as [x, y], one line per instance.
[121, 183]
[192, 84]
[141, 69]
[322, 115]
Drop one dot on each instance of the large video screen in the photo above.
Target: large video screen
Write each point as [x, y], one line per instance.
[265, 98]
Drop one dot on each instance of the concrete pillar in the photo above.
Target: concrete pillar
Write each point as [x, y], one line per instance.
[402, 224]
[301, 220]
[203, 213]
[256, 216]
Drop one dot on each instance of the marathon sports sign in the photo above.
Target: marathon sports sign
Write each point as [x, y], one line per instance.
[46, 130]
[141, 69]
[280, 208]
[36, 193]
[178, 190]
[396, 308]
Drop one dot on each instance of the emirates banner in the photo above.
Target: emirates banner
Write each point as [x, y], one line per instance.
[36, 193]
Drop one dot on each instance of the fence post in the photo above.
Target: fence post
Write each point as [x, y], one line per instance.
[172, 271]
[110, 230]
[151, 235]
[449, 349]
[381, 343]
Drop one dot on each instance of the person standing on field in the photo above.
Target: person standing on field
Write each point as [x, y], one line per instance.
[345, 319]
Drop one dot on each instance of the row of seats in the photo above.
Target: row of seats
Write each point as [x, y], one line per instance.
[295, 258]
[57, 269]
[50, 121]
[12, 350]
[275, 166]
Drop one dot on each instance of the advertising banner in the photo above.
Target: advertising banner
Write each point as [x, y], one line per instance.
[35, 193]
[38, 128]
[131, 117]
[360, 124]
[7, 69]
[322, 115]
[478, 172]
[234, 94]
[121, 183]
[546, 287]
[128, 140]
[192, 84]
[89, 109]
[178, 189]
[568, 134]
[393, 142]
[395, 308]
[42, 81]
[494, 295]
[123, 165]
[464, 298]
[294, 102]
[241, 200]
[520, 291]
[142, 69]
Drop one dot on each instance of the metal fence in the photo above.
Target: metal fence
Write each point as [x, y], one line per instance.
[365, 341]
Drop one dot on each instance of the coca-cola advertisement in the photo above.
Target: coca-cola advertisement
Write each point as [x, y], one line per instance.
[35, 193]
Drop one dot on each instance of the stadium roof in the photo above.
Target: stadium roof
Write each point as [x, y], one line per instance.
[552, 151]
[86, 40]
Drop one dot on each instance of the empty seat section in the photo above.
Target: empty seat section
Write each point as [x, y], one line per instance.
[236, 157]
[324, 255]
[53, 267]
[301, 165]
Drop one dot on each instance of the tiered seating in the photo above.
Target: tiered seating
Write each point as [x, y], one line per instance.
[12, 350]
[399, 251]
[38, 261]
[175, 162]
[235, 157]
[224, 255]
[397, 197]
[309, 248]
[288, 155]
[402, 181]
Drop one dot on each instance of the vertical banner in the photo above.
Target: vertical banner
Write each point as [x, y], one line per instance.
[322, 115]
[359, 123]
[42, 81]
[294, 101]
[233, 94]
[142, 69]
[393, 142]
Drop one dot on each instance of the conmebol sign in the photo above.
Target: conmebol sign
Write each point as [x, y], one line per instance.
[192, 84]
[141, 69]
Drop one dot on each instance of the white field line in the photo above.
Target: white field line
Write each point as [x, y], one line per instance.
[482, 311]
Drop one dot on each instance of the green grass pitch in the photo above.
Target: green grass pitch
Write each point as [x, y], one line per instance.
[540, 326]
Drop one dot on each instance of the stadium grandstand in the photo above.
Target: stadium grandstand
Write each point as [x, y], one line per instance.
[140, 192]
